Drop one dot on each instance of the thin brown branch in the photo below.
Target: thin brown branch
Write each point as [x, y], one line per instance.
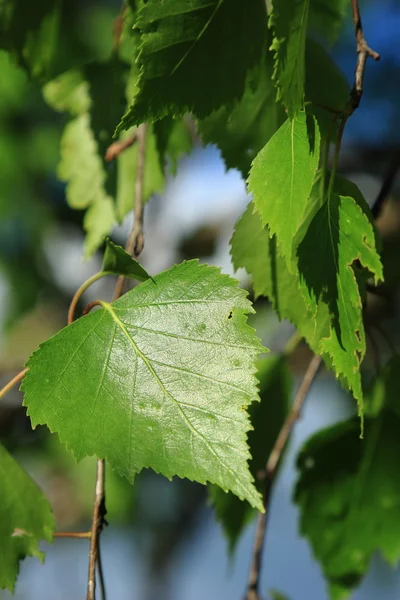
[89, 307]
[98, 522]
[134, 247]
[363, 52]
[82, 535]
[270, 472]
[12, 383]
[118, 28]
[116, 148]
[135, 241]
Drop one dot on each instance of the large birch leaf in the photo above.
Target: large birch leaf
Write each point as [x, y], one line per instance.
[161, 378]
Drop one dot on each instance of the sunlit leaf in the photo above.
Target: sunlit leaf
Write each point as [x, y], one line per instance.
[282, 176]
[339, 236]
[161, 378]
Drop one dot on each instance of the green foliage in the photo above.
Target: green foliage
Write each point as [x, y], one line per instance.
[339, 236]
[348, 493]
[119, 262]
[146, 354]
[326, 17]
[282, 176]
[165, 377]
[194, 56]
[25, 519]
[288, 22]
[242, 130]
[267, 418]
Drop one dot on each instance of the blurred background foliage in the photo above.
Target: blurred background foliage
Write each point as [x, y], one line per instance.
[156, 523]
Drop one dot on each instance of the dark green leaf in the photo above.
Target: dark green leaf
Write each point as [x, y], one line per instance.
[267, 418]
[161, 378]
[194, 55]
[117, 261]
[348, 494]
[326, 17]
[385, 390]
[241, 131]
[288, 22]
[25, 519]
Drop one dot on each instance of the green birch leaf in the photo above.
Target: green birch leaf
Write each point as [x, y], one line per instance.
[116, 260]
[99, 220]
[348, 493]
[69, 92]
[326, 17]
[159, 379]
[339, 236]
[241, 131]
[194, 56]
[288, 22]
[26, 518]
[267, 418]
[253, 249]
[80, 166]
[282, 176]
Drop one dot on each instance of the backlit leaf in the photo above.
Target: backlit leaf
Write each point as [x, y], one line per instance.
[25, 519]
[161, 378]
[282, 176]
[339, 236]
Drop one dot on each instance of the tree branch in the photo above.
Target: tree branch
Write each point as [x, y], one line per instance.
[270, 472]
[135, 241]
[116, 148]
[82, 535]
[11, 383]
[134, 246]
[363, 52]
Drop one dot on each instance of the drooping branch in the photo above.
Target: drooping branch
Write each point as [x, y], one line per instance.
[270, 472]
[134, 246]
